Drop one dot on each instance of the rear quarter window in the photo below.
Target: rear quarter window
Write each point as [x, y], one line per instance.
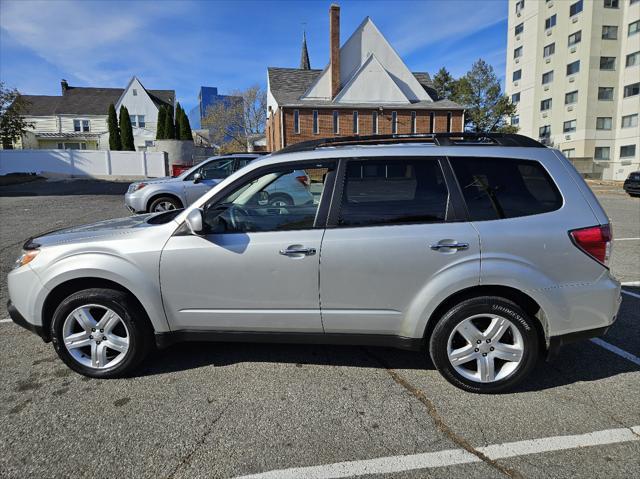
[495, 188]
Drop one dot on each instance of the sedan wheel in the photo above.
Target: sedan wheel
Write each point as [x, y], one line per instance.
[164, 206]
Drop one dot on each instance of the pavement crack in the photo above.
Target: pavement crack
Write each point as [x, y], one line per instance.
[439, 421]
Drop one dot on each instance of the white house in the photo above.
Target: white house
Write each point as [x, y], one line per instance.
[78, 118]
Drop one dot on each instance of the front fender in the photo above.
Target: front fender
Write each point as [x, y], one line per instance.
[142, 282]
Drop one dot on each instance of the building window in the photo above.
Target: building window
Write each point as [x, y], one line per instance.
[549, 50]
[394, 122]
[627, 151]
[575, 8]
[336, 122]
[569, 126]
[631, 90]
[629, 121]
[633, 28]
[603, 123]
[519, 6]
[60, 146]
[575, 38]
[519, 28]
[545, 104]
[137, 120]
[573, 67]
[547, 77]
[449, 121]
[432, 122]
[571, 97]
[602, 153]
[80, 125]
[414, 126]
[515, 98]
[609, 32]
[355, 122]
[515, 120]
[517, 53]
[611, 3]
[605, 93]
[517, 75]
[550, 22]
[544, 131]
[316, 127]
[607, 63]
[296, 121]
[569, 153]
[632, 59]
[135, 92]
[374, 122]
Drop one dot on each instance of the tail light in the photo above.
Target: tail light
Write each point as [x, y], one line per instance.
[595, 241]
[304, 179]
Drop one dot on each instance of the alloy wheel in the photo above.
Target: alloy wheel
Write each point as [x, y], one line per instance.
[164, 206]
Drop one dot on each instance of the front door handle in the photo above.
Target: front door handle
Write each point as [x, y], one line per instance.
[452, 245]
[296, 251]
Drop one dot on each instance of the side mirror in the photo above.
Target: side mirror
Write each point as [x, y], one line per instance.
[194, 221]
[197, 178]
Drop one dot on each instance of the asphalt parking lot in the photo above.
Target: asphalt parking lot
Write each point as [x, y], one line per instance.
[227, 410]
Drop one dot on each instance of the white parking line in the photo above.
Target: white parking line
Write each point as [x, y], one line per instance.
[626, 239]
[450, 457]
[7, 320]
[616, 350]
[629, 293]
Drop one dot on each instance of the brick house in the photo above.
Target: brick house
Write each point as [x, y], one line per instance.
[366, 89]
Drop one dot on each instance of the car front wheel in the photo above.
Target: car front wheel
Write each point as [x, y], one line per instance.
[164, 203]
[485, 345]
[101, 333]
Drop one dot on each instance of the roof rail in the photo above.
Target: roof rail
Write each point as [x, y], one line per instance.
[439, 139]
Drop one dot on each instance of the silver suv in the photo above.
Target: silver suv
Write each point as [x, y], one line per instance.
[486, 251]
[163, 194]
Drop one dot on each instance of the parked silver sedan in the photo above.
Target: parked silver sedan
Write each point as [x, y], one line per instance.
[163, 194]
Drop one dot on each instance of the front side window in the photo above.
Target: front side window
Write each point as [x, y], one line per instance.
[632, 59]
[573, 68]
[575, 38]
[571, 97]
[602, 153]
[296, 121]
[605, 93]
[627, 151]
[545, 104]
[547, 77]
[517, 53]
[284, 198]
[631, 90]
[336, 122]
[393, 191]
[607, 63]
[550, 22]
[517, 75]
[629, 121]
[549, 50]
[633, 28]
[569, 126]
[215, 169]
[575, 8]
[394, 122]
[496, 188]
[603, 123]
[609, 32]
[316, 127]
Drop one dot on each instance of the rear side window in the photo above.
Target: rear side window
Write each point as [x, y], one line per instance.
[505, 188]
[393, 191]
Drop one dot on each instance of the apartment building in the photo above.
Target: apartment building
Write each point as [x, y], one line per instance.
[573, 69]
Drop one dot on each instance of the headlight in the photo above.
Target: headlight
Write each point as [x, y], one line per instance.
[136, 186]
[26, 257]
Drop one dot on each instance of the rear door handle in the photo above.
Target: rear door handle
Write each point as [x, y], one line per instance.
[455, 245]
[294, 251]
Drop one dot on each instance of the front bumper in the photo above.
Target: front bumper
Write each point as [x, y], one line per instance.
[135, 202]
[17, 318]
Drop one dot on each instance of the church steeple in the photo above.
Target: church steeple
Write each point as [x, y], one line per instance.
[304, 56]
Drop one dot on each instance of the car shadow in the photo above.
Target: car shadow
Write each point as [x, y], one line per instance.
[579, 362]
[72, 187]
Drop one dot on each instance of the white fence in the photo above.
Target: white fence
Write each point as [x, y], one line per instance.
[92, 163]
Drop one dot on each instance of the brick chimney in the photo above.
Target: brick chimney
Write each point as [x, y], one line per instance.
[64, 85]
[334, 47]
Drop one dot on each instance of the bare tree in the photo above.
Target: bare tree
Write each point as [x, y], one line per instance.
[232, 122]
[12, 123]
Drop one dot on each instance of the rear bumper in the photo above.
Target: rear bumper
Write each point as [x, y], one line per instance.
[17, 318]
[556, 342]
[632, 188]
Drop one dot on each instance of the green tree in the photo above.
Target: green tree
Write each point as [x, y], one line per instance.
[12, 123]
[115, 142]
[178, 121]
[169, 128]
[160, 133]
[126, 131]
[444, 84]
[185, 128]
[486, 107]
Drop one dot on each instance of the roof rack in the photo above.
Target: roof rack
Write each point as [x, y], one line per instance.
[439, 139]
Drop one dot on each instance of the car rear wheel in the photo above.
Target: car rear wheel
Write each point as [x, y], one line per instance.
[164, 203]
[279, 199]
[101, 333]
[485, 345]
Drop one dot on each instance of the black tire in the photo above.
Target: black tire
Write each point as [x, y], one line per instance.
[280, 199]
[164, 199]
[438, 343]
[140, 332]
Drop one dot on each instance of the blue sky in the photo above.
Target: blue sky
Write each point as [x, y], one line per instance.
[181, 45]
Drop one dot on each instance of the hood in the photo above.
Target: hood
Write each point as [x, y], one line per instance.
[156, 181]
[101, 230]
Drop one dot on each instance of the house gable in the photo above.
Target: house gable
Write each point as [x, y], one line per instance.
[136, 98]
